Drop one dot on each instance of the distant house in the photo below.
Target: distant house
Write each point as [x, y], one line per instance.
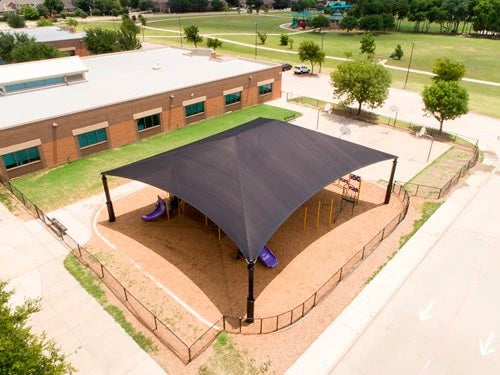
[66, 40]
[15, 5]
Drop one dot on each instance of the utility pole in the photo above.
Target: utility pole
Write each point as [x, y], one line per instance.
[180, 30]
[409, 63]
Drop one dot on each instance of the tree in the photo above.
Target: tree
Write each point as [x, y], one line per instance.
[349, 23]
[15, 20]
[361, 81]
[54, 6]
[448, 70]
[398, 53]
[8, 41]
[388, 21]
[99, 40]
[213, 43]
[233, 3]
[281, 4]
[32, 51]
[179, 6]
[284, 39]
[72, 22]
[127, 37]
[319, 22]
[445, 100]
[198, 5]
[368, 45]
[29, 12]
[310, 51]
[192, 35]
[371, 22]
[80, 13]
[24, 352]
[146, 5]
[217, 5]
[42, 10]
[262, 37]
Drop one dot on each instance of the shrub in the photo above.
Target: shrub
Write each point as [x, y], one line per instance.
[15, 20]
[398, 53]
[284, 39]
[44, 22]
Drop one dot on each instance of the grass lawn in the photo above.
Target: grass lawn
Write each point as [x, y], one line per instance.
[60, 186]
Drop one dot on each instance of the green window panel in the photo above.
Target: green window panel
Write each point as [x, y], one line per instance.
[148, 122]
[194, 109]
[21, 157]
[233, 98]
[265, 89]
[91, 138]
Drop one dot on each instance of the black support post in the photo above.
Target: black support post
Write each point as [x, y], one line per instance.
[250, 299]
[109, 204]
[391, 181]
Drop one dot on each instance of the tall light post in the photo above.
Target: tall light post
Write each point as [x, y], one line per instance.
[180, 30]
[256, 41]
[409, 63]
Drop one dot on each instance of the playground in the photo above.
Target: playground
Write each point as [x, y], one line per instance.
[184, 252]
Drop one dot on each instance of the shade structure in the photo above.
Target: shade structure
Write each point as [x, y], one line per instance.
[250, 179]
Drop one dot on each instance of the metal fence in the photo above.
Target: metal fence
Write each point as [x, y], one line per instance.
[186, 352]
[277, 322]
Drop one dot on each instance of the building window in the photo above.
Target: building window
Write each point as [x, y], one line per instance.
[265, 89]
[233, 98]
[34, 84]
[92, 138]
[194, 109]
[21, 157]
[148, 122]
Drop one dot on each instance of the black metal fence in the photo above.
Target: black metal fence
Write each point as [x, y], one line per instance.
[277, 322]
[187, 352]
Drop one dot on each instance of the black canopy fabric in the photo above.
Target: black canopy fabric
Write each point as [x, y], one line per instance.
[250, 179]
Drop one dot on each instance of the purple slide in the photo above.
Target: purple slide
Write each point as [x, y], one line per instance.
[268, 258]
[159, 211]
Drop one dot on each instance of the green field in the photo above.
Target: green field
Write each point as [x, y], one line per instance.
[479, 55]
[60, 186]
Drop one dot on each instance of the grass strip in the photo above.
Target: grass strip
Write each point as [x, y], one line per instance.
[91, 284]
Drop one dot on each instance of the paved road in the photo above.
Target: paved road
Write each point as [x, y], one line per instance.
[445, 319]
[31, 259]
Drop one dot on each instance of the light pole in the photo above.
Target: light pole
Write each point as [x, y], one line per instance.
[322, 36]
[180, 30]
[255, 41]
[409, 63]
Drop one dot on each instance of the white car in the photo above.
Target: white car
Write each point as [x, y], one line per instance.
[301, 69]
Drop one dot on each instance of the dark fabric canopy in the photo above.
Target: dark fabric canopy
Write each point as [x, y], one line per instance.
[251, 178]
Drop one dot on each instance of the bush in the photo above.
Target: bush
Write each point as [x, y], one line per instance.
[217, 5]
[63, 15]
[80, 13]
[96, 12]
[284, 39]
[398, 53]
[72, 22]
[15, 20]
[44, 22]
[371, 22]
[43, 11]
[29, 13]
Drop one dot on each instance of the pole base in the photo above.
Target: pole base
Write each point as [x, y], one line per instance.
[250, 310]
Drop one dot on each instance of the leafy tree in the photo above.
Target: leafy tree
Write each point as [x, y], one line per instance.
[290, 43]
[192, 35]
[127, 37]
[281, 4]
[42, 10]
[99, 40]
[388, 21]
[398, 53]
[361, 81]
[15, 21]
[445, 100]
[349, 23]
[125, 3]
[146, 5]
[198, 5]
[54, 6]
[486, 15]
[233, 3]
[29, 12]
[262, 37]
[319, 22]
[371, 22]
[213, 43]
[457, 10]
[368, 45]
[24, 352]
[217, 5]
[32, 51]
[179, 6]
[80, 13]
[284, 39]
[400, 9]
[311, 51]
[84, 5]
[10, 40]
[300, 5]
[72, 22]
[44, 22]
[448, 70]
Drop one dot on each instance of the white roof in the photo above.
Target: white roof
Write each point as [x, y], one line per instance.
[119, 77]
[47, 34]
[31, 71]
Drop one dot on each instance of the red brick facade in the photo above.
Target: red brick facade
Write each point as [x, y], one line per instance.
[59, 145]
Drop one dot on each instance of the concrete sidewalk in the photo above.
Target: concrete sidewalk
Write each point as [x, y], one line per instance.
[333, 344]
[31, 259]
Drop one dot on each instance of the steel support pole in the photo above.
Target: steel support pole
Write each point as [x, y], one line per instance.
[250, 298]
[391, 181]
[109, 204]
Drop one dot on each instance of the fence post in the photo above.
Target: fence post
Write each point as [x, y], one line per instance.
[314, 301]
[383, 233]
[156, 325]
[340, 277]
[102, 270]
[189, 354]
[261, 325]
[224, 322]
[363, 254]
[125, 292]
[416, 191]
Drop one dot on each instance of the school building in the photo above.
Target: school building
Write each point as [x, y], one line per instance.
[59, 110]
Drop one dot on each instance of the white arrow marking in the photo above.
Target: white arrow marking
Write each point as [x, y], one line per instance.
[424, 314]
[485, 349]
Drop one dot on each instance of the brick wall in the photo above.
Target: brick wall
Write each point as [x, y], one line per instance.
[59, 145]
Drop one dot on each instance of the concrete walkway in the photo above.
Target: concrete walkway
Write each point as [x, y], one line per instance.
[31, 259]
